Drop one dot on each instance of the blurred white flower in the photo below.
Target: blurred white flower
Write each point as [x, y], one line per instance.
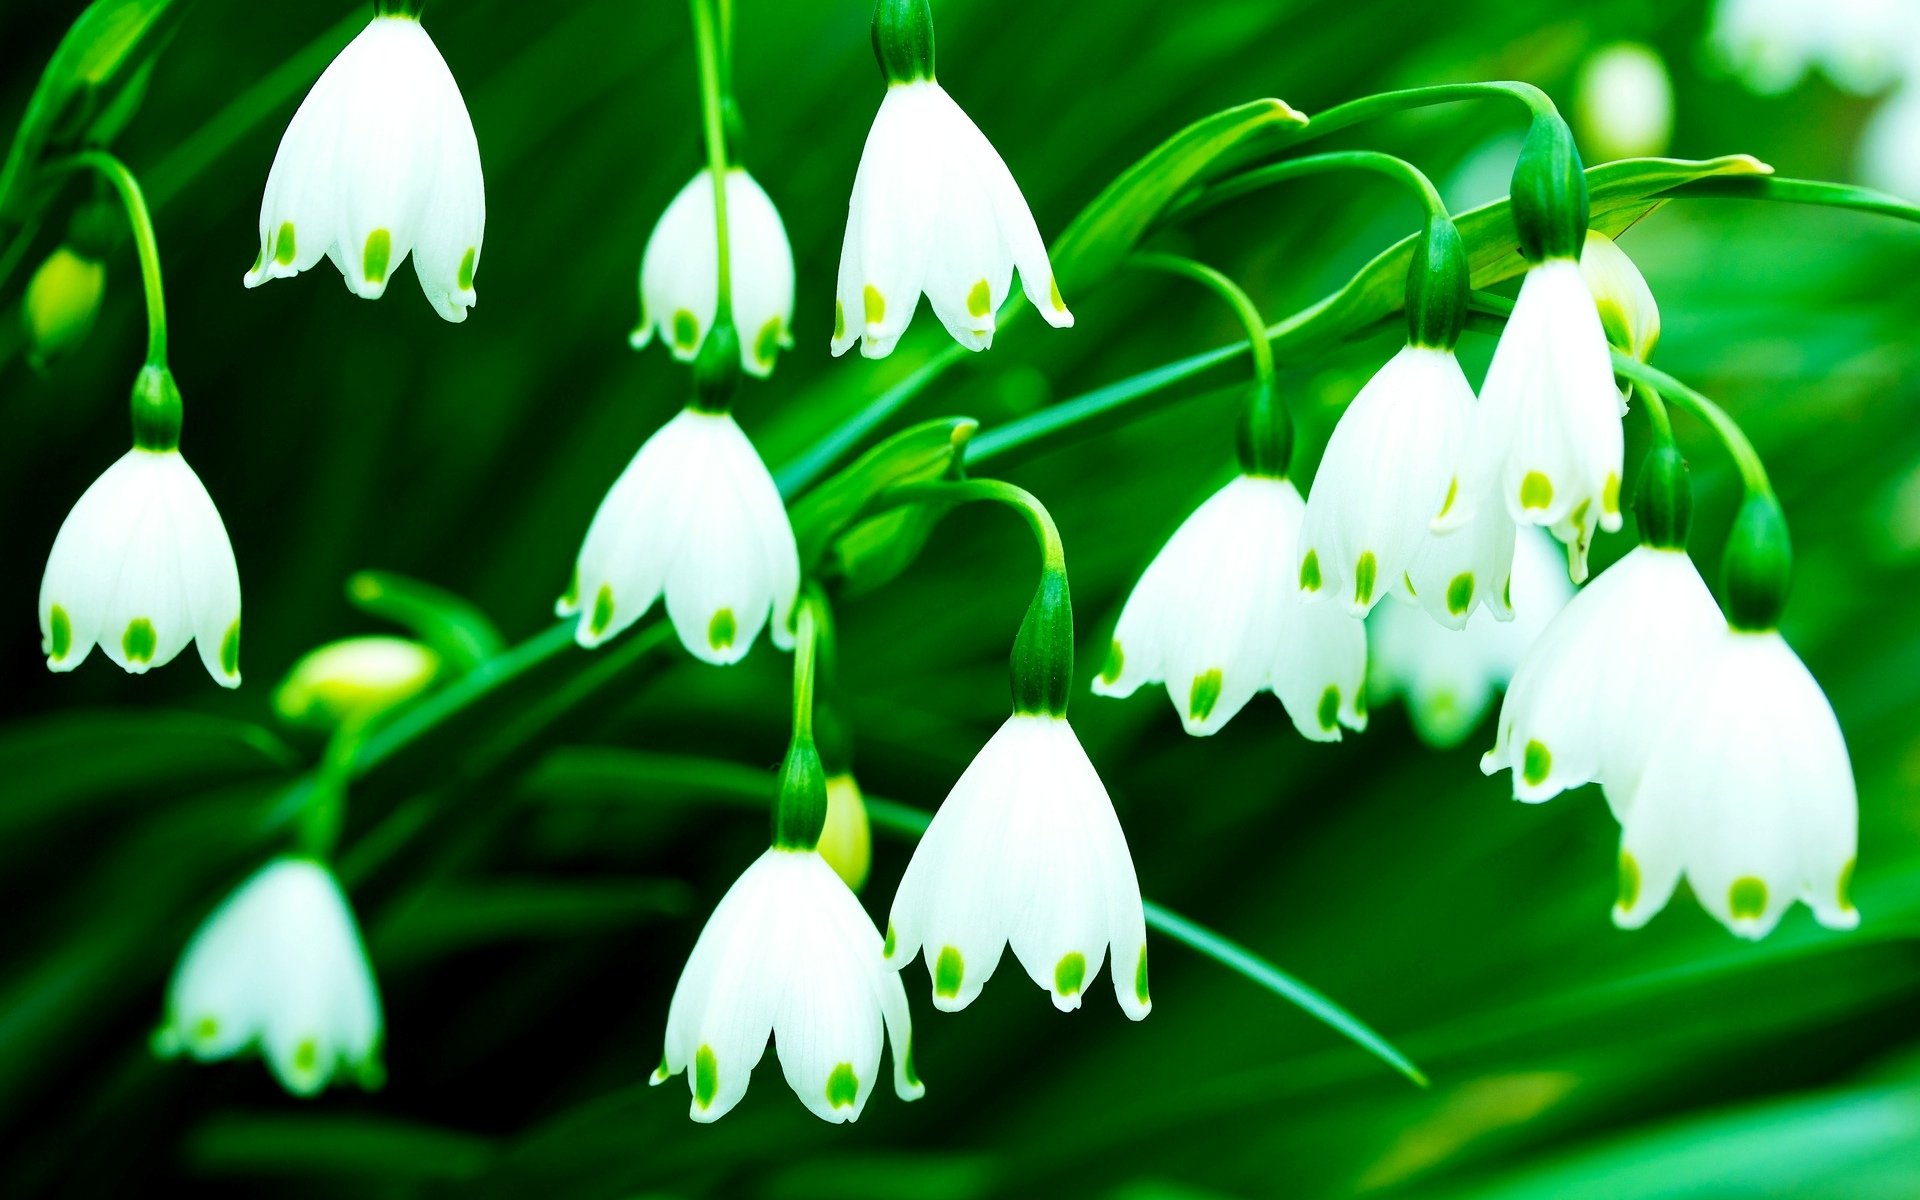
[353, 679]
[788, 953]
[934, 210]
[680, 272]
[279, 967]
[1449, 676]
[1624, 102]
[1890, 147]
[1862, 45]
[379, 162]
[695, 515]
[1218, 616]
[141, 567]
[1392, 466]
[1026, 850]
[1749, 791]
[1597, 689]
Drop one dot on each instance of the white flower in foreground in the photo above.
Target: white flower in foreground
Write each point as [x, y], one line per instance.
[1599, 686]
[1218, 616]
[279, 967]
[1390, 468]
[1025, 850]
[1625, 102]
[680, 272]
[1549, 432]
[1749, 792]
[379, 162]
[789, 953]
[934, 210]
[1450, 676]
[1468, 564]
[695, 515]
[141, 567]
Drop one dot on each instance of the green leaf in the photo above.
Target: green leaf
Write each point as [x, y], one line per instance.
[459, 632]
[450, 917]
[925, 452]
[306, 1145]
[1108, 229]
[89, 91]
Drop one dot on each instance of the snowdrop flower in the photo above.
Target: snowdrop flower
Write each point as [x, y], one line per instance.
[379, 162]
[679, 273]
[789, 953]
[1449, 676]
[1549, 432]
[1599, 683]
[695, 515]
[141, 567]
[934, 210]
[279, 967]
[1218, 616]
[1026, 850]
[1749, 793]
[1625, 102]
[1389, 470]
[1466, 563]
[1628, 312]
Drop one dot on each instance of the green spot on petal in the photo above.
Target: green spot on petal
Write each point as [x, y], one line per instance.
[1578, 517]
[306, 1056]
[1116, 662]
[1140, 976]
[1310, 572]
[1536, 490]
[721, 629]
[980, 299]
[1363, 577]
[1536, 762]
[1205, 694]
[839, 320]
[1053, 291]
[1329, 708]
[1460, 594]
[206, 1029]
[59, 633]
[1070, 973]
[876, 305]
[1453, 493]
[1747, 898]
[1406, 577]
[1629, 881]
[1610, 495]
[686, 329]
[602, 610]
[706, 1077]
[947, 972]
[284, 250]
[230, 649]
[1843, 891]
[1506, 592]
[887, 950]
[466, 268]
[766, 344]
[139, 641]
[842, 1087]
[373, 259]
[572, 599]
[906, 1063]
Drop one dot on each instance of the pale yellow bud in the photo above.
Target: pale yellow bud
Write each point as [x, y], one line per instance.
[1624, 103]
[353, 680]
[847, 841]
[1627, 308]
[61, 301]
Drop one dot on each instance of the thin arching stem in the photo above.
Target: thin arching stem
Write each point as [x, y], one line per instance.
[1235, 296]
[1397, 169]
[115, 172]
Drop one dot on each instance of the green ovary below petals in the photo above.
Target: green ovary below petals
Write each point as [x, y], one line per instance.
[1629, 882]
[1329, 711]
[1070, 973]
[1205, 694]
[686, 329]
[948, 970]
[1536, 490]
[59, 633]
[602, 610]
[1536, 762]
[876, 305]
[1460, 594]
[1116, 662]
[706, 1077]
[1140, 977]
[230, 649]
[766, 345]
[285, 250]
[1364, 571]
[843, 1087]
[721, 630]
[467, 262]
[1310, 572]
[139, 640]
[373, 260]
[1747, 898]
[980, 299]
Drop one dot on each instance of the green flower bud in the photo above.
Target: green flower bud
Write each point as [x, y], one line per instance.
[1042, 666]
[716, 371]
[801, 812]
[1663, 504]
[1263, 437]
[1550, 192]
[1758, 567]
[351, 680]
[1438, 280]
[156, 409]
[903, 40]
[61, 302]
[846, 840]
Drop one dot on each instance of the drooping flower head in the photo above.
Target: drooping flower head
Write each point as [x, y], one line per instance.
[934, 210]
[679, 273]
[279, 968]
[379, 162]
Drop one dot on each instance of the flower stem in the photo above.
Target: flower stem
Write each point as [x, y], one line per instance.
[1340, 116]
[713, 118]
[1397, 169]
[141, 222]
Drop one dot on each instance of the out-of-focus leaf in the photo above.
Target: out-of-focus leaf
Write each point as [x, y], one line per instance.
[90, 88]
[452, 917]
[925, 452]
[455, 628]
[332, 1144]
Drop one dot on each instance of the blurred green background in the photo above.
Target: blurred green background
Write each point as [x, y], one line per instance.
[528, 930]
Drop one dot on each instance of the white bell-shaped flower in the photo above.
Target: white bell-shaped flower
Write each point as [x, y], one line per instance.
[1218, 617]
[680, 272]
[379, 162]
[1600, 683]
[1549, 435]
[1450, 676]
[1390, 468]
[695, 515]
[934, 210]
[789, 953]
[279, 968]
[1887, 157]
[1467, 563]
[1749, 791]
[1025, 850]
[141, 567]
[1628, 312]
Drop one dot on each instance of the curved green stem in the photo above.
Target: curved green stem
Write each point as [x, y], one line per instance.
[325, 808]
[1235, 296]
[141, 221]
[1657, 418]
[806, 654]
[713, 118]
[961, 491]
[1340, 116]
[1397, 169]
